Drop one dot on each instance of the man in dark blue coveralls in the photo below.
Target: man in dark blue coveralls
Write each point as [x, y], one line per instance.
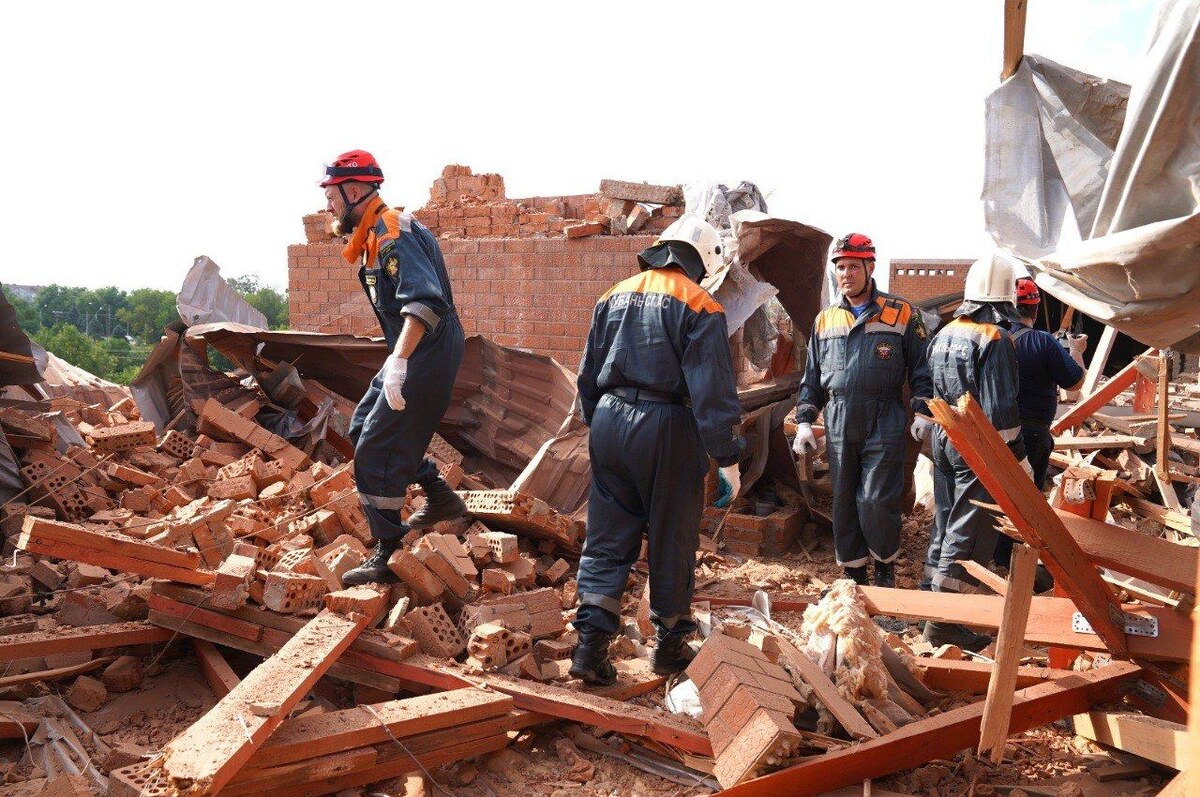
[656, 386]
[404, 276]
[1044, 366]
[860, 352]
[973, 354]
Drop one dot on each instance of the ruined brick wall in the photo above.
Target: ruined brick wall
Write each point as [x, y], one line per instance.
[525, 272]
[534, 293]
[921, 279]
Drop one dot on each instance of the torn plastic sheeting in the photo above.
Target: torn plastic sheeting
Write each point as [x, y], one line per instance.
[206, 298]
[1050, 132]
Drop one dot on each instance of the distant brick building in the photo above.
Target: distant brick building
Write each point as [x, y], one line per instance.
[920, 279]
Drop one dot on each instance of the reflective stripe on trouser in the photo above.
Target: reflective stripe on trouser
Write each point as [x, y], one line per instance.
[648, 466]
[389, 446]
[866, 450]
[962, 530]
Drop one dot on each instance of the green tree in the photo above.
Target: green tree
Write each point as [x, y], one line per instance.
[66, 342]
[27, 315]
[263, 298]
[147, 312]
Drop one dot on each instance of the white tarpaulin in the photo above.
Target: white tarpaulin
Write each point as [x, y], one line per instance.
[1055, 175]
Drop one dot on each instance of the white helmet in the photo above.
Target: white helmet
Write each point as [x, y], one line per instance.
[991, 279]
[704, 238]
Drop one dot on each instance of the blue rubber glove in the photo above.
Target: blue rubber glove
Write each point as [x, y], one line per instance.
[729, 484]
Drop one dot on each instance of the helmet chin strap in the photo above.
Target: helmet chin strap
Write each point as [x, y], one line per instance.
[350, 206]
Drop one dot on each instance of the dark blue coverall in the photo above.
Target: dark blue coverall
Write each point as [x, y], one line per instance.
[403, 274]
[972, 354]
[856, 372]
[1044, 366]
[657, 388]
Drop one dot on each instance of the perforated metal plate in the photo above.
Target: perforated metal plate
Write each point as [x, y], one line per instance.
[1134, 624]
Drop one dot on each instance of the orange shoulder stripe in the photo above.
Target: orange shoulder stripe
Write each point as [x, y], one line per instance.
[672, 283]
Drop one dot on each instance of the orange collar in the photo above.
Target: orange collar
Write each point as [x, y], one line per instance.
[358, 240]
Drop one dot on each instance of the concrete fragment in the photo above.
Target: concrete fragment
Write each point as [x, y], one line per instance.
[87, 694]
[123, 675]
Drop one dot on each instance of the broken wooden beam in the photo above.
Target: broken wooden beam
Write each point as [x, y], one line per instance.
[113, 551]
[953, 675]
[202, 759]
[1095, 399]
[220, 676]
[1050, 619]
[72, 639]
[1010, 644]
[1153, 739]
[790, 658]
[940, 736]
[980, 445]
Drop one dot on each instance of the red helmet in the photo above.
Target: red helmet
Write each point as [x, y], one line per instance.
[357, 164]
[854, 245]
[1027, 291]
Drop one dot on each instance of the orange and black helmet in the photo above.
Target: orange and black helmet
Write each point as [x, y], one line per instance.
[1027, 292]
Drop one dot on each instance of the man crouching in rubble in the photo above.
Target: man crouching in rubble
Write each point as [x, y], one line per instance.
[973, 354]
[402, 271]
[657, 388]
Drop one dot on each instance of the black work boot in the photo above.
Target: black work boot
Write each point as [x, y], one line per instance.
[672, 654]
[940, 634]
[375, 569]
[858, 574]
[885, 574]
[441, 503]
[589, 660]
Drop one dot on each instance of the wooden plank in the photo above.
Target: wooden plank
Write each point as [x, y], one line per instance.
[337, 731]
[68, 639]
[1163, 429]
[1173, 520]
[1167, 490]
[73, 534]
[977, 441]
[1150, 738]
[983, 575]
[1014, 38]
[824, 689]
[1097, 442]
[1149, 558]
[940, 736]
[1095, 369]
[203, 758]
[217, 671]
[1095, 398]
[952, 675]
[35, 543]
[56, 673]
[1049, 619]
[1010, 644]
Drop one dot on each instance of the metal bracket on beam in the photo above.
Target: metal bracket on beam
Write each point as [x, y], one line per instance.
[1134, 624]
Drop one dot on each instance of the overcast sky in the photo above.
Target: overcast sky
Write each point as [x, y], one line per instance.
[140, 135]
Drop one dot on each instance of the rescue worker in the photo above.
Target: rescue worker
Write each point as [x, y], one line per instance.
[861, 352]
[973, 354]
[1044, 366]
[404, 276]
[657, 389]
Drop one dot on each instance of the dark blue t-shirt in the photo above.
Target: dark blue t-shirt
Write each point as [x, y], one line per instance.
[1043, 366]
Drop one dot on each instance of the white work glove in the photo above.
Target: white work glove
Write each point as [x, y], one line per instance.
[1075, 345]
[393, 381]
[805, 439]
[733, 476]
[920, 429]
[1025, 466]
